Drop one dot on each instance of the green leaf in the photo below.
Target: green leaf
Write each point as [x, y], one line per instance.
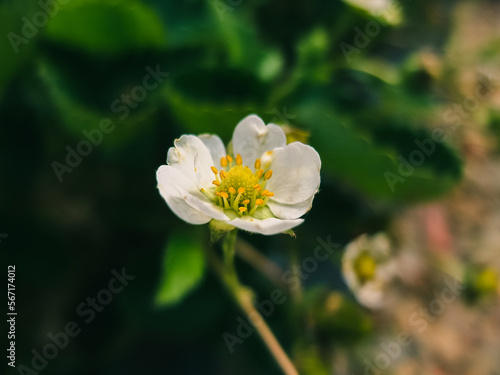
[107, 27]
[16, 50]
[243, 47]
[188, 23]
[335, 317]
[214, 100]
[183, 268]
[368, 146]
[76, 114]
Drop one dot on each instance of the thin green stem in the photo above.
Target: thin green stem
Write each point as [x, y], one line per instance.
[261, 263]
[243, 296]
[228, 247]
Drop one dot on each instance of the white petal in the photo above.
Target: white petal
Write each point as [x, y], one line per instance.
[216, 147]
[290, 211]
[267, 226]
[252, 138]
[295, 173]
[184, 211]
[371, 295]
[174, 200]
[354, 248]
[176, 187]
[380, 245]
[351, 253]
[207, 207]
[193, 159]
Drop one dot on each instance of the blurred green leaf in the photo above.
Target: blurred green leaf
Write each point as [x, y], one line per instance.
[364, 139]
[310, 361]
[215, 99]
[16, 49]
[107, 27]
[336, 318]
[284, 22]
[188, 23]
[183, 268]
[77, 113]
[243, 48]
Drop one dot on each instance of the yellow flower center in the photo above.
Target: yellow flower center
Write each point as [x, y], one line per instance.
[239, 189]
[237, 178]
[487, 280]
[365, 267]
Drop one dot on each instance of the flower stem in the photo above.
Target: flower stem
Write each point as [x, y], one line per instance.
[243, 296]
[228, 248]
[253, 257]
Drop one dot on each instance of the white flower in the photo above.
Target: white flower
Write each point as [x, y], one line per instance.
[264, 187]
[368, 268]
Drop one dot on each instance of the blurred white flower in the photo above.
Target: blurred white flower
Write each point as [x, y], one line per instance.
[368, 267]
[261, 185]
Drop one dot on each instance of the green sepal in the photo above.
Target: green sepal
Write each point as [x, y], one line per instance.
[218, 229]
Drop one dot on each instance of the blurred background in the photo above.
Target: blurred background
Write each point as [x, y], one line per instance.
[401, 100]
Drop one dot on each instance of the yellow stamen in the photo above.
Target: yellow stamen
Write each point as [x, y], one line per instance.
[207, 194]
[267, 196]
[239, 188]
[219, 198]
[224, 196]
[223, 162]
[254, 208]
[236, 201]
[232, 191]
